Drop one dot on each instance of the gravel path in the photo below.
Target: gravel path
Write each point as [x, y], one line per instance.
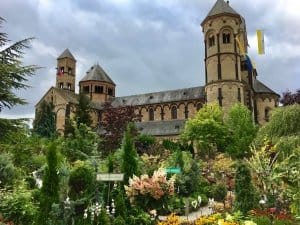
[203, 211]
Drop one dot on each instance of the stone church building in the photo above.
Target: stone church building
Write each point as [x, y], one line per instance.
[228, 80]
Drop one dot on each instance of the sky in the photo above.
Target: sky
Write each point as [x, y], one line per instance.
[145, 45]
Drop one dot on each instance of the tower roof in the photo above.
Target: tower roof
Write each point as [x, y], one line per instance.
[98, 74]
[66, 54]
[220, 7]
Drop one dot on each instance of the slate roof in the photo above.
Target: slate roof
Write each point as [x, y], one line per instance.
[160, 97]
[66, 54]
[97, 73]
[259, 87]
[161, 128]
[220, 7]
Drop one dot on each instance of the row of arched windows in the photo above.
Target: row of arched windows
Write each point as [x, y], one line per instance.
[226, 38]
[174, 109]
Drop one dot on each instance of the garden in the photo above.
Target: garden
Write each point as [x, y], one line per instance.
[239, 173]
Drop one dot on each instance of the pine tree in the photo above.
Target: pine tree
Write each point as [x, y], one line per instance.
[245, 193]
[44, 123]
[130, 163]
[82, 114]
[13, 77]
[50, 190]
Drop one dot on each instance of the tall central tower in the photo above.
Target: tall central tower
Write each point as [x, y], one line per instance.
[223, 77]
[66, 71]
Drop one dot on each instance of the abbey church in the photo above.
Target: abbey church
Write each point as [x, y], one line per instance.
[229, 79]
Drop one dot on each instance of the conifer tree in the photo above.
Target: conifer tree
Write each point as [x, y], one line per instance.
[13, 77]
[245, 193]
[50, 190]
[130, 163]
[44, 123]
[82, 114]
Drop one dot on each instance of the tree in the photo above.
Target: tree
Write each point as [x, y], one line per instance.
[82, 145]
[113, 125]
[44, 123]
[13, 76]
[207, 130]
[289, 98]
[50, 190]
[130, 157]
[245, 193]
[82, 114]
[242, 131]
[285, 121]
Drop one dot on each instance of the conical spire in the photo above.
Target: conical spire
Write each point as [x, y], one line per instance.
[220, 7]
[98, 74]
[66, 54]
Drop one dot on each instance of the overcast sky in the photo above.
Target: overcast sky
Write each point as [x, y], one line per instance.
[145, 45]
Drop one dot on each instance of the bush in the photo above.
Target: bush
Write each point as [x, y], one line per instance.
[245, 193]
[219, 192]
[18, 206]
[8, 172]
[262, 220]
[81, 181]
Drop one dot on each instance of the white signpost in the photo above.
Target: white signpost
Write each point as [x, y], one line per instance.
[110, 177]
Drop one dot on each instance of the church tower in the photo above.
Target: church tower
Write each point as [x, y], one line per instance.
[223, 75]
[66, 71]
[97, 85]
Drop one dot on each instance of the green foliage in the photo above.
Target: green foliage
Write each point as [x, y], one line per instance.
[261, 220]
[103, 218]
[245, 193]
[50, 189]
[27, 150]
[44, 123]
[18, 206]
[13, 77]
[285, 146]
[82, 114]
[242, 131]
[121, 210]
[81, 181]
[219, 192]
[130, 157]
[119, 221]
[8, 172]
[285, 121]
[138, 217]
[83, 144]
[144, 144]
[207, 130]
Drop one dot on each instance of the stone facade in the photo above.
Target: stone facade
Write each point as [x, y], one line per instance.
[228, 80]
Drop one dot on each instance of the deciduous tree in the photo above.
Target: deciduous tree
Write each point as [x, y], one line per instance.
[207, 130]
[289, 98]
[113, 125]
[242, 131]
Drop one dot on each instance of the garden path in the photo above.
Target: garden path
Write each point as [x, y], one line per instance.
[203, 211]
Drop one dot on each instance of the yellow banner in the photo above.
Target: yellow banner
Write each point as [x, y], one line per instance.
[240, 46]
[260, 42]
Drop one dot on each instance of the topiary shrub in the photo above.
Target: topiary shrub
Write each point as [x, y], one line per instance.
[245, 193]
[219, 192]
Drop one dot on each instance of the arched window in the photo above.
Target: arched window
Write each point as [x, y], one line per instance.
[226, 37]
[211, 40]
[267, 114]
[151, 114]
[174, 112]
